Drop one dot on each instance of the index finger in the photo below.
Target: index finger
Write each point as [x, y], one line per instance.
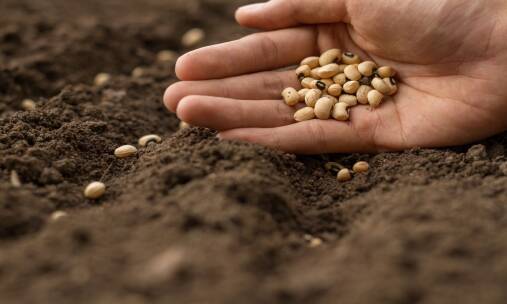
[253, 53]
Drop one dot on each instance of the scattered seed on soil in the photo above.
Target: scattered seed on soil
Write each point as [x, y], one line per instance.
[151, 138]
[95, 190]
[167, 56]
[57, 215]
[184, 125]
[192, 37]
[28, 105]
[138, 72]
[361, 167]
[15, 180]
[344, 175]
[315, 242]
[290, 96]
[101, 79]
[125, 151]
[303, 114]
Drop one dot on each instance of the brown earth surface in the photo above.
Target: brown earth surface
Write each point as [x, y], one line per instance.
[196, 220]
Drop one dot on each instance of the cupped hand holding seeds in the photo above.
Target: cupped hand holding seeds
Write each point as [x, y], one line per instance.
[450, 55]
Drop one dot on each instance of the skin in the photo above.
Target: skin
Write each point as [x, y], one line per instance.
[451, 58]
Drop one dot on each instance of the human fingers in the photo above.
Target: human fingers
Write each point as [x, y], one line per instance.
[253, 53]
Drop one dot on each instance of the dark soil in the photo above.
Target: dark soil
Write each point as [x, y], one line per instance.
[196, 220]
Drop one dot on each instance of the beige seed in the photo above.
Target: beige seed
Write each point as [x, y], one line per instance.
[138, 72]
[350, 58]
[375, 98]
[340, 79]
[329, 70]
[342, 67]
[362, 94]
[350, 100]
[361, 167]
[350, 87]
[391, 84]
[380, 85]
[385, 72]
[290, 96]
[334, 99]
[312, 96]
[15, 180]
[327, 83]
[366, 68]
[352, 72]
[340, 111]
[314, 73]
[315, 242]
[303, 114]
[55, 216]
[146, 139]
[307, 82]
[312, 62]
[335, 90]
[95, 190]
[125, 151]
[344, 175]
[302, 94]
[192, 37]
[184, 125]
[323, 107]
[319, 84]
[330, 56]
[167, 56]
[101, 79]
[303, 71]
[28, 105]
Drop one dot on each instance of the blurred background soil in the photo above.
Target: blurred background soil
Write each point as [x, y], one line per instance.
[195, 220]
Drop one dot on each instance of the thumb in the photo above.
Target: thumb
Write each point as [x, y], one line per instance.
[277, 14]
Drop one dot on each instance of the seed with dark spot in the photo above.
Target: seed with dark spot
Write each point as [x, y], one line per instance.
[392, 80]
[320, 85]
[349, 54]
[301, 77]
[365, 81]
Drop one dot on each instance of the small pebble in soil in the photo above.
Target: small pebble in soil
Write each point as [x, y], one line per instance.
[15, 181]
[167, 56]
[125, 151]
[101, 79]
[55, 216]
[192, 37]
[360, 167]
[184, 125]
[344, 175]
[28, 105]
[145, 140]
[95, 190]
[477, 152]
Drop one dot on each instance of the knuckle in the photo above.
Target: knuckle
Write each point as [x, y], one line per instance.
[365, 128]
[318, 134]
[268, 48]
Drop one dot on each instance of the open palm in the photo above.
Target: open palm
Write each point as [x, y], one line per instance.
[451, 56]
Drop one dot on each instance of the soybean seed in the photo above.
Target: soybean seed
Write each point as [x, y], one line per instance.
[303, 114]
[145, 140]
[303, 71]
[101, 79]
[335, 90]
[95, 190]
[350, 100]
[344, 175]
[167, 56]
[290, 96]
[125, 151]
[28, 105]
[352, 72]
[361, 167]
[362, 94]
[340, 111]
[302, 94]
[312, 62]
[330, 56]
[328, 71]
[380, 85]
[323, 107]
[391, 84]
[350, 58]
[312, 96]
[385, 71]
[350, 87]
[307, 82]
[192, 37]
[375, 98]
[366, 68]
[340, 79]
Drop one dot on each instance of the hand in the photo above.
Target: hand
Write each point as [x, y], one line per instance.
[451, 57]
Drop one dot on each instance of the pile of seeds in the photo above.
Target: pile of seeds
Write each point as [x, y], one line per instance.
[335, 82]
